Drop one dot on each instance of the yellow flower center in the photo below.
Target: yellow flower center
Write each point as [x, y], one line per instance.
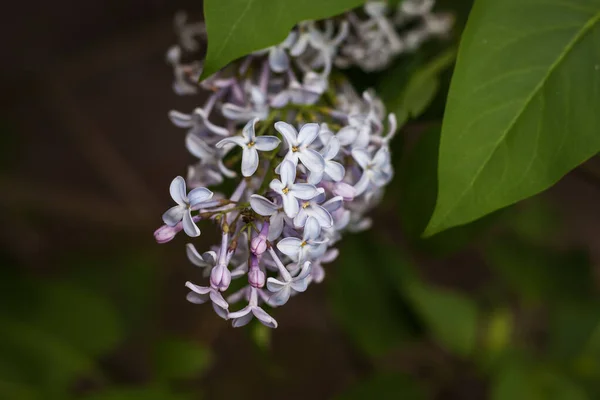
[303, 243]
[250, 144]
[285, 190]
[305, 204]
[294, 149]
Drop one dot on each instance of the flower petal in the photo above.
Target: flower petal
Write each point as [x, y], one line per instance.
[189, 227]
[334, 170]
[195, 257]
[219, 130]
[180, 119]
[362, 184]
[362, 157]
[300, 218]
[347, 135]
[312, 159]
[249, 161]
[290, 247]
[221, 312]
[316, 176]
[173, 215]
[331, 149]
[198, 289]
[333, 204]
[304, 191]
[248, 131]
[196, 298]
[322, 216]
[275, 285]
[199, 195]
[276, 186]
[238, 140]
[198, 147]
[236, 113]
[266, 143]
[281, 296]
[290, 205]
[288, 132]
[276, 226]
[218, 299]
[287, 173]
[263, 317]
[312, 230]
[178, 190]
[278, 59]
[263, 206]
[308, 133]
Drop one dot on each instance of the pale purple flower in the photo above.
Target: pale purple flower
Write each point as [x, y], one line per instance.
[210, 158]
[256, 276]
[259, 242]
[313, 208]
[182, 211]
[284, 287]
[289, 191]
[376, 169]
[301, 249]
[266, 208]
[242, 317]
[206, 261]
[257, 106]
[250, 145]
[202, 294]
[298, 145]
[333, 170]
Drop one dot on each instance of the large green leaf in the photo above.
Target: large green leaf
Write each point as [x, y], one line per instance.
[238, 27]
[522, 108]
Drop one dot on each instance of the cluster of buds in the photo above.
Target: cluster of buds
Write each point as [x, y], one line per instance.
[311, 155]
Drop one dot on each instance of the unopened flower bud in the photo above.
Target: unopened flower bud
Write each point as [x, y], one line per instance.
[220, 277]
[256, 277]
[259, 242]
[346, 191]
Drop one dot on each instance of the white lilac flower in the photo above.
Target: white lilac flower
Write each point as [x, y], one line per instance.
[242, 317]
[185, 202]
[251, 144]
[314, 208]
[266, 208]
[283, 288]
[302, 249]
[376, 169]
[290, 191]
[333, 170]
[298, 145]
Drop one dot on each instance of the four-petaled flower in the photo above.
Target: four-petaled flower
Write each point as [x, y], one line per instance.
[333, 170]
[250, 143]
[298, 145]
[182, 211]
[282, 289]
[266, 208]
[312, 208]
[289, 191]
[201, 294]
[242, 317]
[376, 170]
[301, 249]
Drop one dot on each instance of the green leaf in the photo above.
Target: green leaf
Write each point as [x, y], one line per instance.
[384, 386]
[450, 316]
[236, 28]
[520, 110]
[176, 358]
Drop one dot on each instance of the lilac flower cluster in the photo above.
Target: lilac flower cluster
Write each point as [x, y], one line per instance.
[312, 153]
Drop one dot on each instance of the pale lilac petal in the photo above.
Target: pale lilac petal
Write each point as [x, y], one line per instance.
[262, 205]
[196, 298]
[332, 148]
[218, 299]
[237, 140]
[305, 271]
[242, 319]
[316, 176]
[381, 158]
[308, 134]
[379, 178]
[276, 185]
[238, 314]
[276, 226]
[199, 195]
[347, 135]
[275, 285]
[312, 159]
[219, 130]
[288, 132]
[249, 161]
[345, 190]
[362, 157]
[178, 190]
[220, 311]
[248, 131]
[334, 170]
[362, 184]
[330, 256]
[290, 247]
[180, 119]
[300, 45]
[288, 173]
[280, 99]
[235, 112]
[195, 257]
[333, 204]
[173, 215]
[198, 289]
[322, 216]
[281, 296]
[317, 273]
[300, 219]
[290, 205]
[300, 285]
[225, 171]
[278, 59]
[266, 143]
[189, 227]
[263, 317]
[304, 191]
[198, 147]
[312, 230]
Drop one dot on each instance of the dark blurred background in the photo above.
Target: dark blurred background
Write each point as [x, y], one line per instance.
[92, 308]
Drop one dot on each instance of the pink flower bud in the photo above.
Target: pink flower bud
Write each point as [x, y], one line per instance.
[256, 277]
[166, 233]
[220, 277]
[259, 243]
